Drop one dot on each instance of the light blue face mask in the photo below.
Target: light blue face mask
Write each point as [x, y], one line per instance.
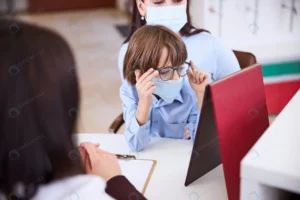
[168, 90]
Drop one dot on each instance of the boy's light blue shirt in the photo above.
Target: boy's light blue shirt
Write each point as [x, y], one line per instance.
[165, 119]
[210, 55]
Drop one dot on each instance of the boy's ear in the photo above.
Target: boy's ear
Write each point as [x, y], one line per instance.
[137, 74]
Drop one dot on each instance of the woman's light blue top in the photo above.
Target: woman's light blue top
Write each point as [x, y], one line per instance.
[168, 120]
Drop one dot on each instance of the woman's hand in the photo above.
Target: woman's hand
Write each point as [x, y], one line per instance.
[99, 162]
[83, 153]
[145, 87]
[198, 79]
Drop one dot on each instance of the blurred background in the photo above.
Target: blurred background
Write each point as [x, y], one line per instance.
[96, 29]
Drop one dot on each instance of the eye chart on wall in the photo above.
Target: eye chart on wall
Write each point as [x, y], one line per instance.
[257, 22]
[270, 29]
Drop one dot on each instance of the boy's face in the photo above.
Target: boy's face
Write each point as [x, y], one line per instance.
[162, 60]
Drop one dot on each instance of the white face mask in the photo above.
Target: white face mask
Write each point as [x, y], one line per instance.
[168, 90]
[172, 17]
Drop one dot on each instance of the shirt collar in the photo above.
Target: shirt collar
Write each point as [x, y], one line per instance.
[179, 97]
[163, 103]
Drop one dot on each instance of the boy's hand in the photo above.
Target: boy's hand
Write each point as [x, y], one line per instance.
[145, 87]
[198, 79]
[186, 135]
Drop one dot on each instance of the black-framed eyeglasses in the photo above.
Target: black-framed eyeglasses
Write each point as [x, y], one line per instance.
[166, 73]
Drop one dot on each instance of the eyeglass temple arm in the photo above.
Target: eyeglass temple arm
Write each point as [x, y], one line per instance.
[137, 68]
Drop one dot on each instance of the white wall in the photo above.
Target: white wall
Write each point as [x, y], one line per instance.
[197, 16]
[272, 39]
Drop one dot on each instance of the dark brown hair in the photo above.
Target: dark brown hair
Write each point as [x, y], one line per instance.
[187, 30]
[145, 50]
[39, 100]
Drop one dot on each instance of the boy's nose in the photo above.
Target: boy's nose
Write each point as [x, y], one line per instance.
[175, 77]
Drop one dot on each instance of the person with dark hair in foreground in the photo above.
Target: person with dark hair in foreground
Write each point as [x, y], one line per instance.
[39, 103]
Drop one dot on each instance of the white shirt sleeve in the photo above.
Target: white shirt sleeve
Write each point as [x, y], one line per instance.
[80, 187]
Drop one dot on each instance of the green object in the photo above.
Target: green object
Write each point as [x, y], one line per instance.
[279, 69]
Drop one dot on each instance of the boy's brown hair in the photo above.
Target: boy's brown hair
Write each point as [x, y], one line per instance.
[145, 50]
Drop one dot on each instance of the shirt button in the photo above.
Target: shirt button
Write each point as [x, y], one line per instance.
[147, 127]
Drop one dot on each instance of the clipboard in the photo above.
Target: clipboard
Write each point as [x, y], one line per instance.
[137, 171]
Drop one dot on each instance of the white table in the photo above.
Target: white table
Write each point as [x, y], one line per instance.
[168, 179]
[273, 164]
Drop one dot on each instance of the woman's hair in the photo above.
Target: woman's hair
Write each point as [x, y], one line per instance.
[187, 30]
[39, 98]
[145, 50]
